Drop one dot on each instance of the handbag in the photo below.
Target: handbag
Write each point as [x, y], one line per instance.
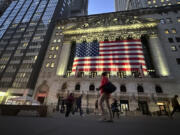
[109, 87]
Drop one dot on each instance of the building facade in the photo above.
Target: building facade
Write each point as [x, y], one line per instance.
[149, 93]
[122, 5]
[25, 28]
[25, 31]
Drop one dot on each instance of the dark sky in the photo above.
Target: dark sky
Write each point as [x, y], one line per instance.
[100, 6]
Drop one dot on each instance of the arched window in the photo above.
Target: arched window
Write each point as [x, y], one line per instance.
[64, 86]
[77, 87]
[140, 88]
[91, 87]
[123, 88]
[158, 89]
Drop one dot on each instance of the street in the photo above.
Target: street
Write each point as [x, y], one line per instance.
[57, 124]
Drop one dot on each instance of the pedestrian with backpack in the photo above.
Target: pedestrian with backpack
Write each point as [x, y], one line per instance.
[105, 96]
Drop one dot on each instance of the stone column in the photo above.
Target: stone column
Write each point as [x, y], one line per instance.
[64, 58]
[158, 56]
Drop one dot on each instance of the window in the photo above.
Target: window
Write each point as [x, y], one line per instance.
[166, 31]
[57, 48]
[52, 48]
[91, 87]
[178, 61]
[52, 64]
[92, 74]
[177, 39]
[173, 31]
[54, 56]
[77, 87]
[173, 48]
[170, 40]
[168, 20]
[158, 89]
[140, 89]
[162, 21]
[121, 74]
[64, 86]
[123, 88]
[50, 56]
[47, 65]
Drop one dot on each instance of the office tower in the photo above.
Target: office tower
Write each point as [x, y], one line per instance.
[79, 7]
[25, 28]
[121, 5]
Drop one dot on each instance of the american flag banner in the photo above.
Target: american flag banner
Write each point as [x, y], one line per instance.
[126, 55]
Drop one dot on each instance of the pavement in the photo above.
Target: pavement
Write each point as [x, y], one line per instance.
[57, 124]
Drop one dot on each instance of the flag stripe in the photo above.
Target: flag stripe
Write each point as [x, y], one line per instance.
[106, 64]
[114, 49]
[115, 62]
[105, 59]
[114, 52]
[110, 54]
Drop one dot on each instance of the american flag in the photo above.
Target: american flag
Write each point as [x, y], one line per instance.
[126, 55]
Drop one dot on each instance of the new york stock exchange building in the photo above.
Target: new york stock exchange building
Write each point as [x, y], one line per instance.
[133, 47]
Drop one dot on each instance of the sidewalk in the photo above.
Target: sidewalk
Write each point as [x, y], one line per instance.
[57, 124]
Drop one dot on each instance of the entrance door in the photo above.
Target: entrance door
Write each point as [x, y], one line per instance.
[143, 106]
[163, 110]
[124, 105]
[41, 99]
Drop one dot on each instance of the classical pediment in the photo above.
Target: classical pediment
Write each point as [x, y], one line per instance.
[105, 23]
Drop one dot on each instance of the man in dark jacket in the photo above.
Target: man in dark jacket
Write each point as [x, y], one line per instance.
[175, 105]
[78, 104]
[69, 104]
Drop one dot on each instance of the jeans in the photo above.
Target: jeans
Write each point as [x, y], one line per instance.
[105, 97]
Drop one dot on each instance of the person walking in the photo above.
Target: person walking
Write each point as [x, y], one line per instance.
[78, 104]
[104, 97]
[62, 106]
[69, 104]
[96, 107]
[175, 105]
[114, 107]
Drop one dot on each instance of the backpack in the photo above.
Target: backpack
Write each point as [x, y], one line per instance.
[109, 87]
